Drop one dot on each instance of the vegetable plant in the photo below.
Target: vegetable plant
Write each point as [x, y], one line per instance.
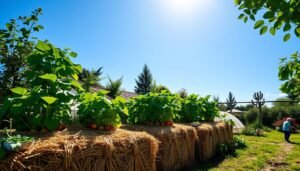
[45, 103]
[97, 111]
[14, 142]
[154, 108]
[196, 109]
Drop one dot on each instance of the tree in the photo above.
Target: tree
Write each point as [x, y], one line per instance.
[277, 15]
[289, 73]
[161, 88]
[231, 102]
[144, 81]
[182, 93]
[114, 87]
[16, 42]
[90, 78]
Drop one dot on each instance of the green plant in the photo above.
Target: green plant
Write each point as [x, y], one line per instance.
[90, 78]
[153, 108]
[224, 150]
[239, 143]
[231, 102]
[96, 108]
[192, 109]
[114, 87]
[46, 102]
[16, 42]
[144, 81]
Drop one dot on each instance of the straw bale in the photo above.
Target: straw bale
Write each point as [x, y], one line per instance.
[177, 144]
[210, 135]
[87, 150]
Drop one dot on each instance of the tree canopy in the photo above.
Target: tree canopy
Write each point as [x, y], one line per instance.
[144, 81]
[276, 15]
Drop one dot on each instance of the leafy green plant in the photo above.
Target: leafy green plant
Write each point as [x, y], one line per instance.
[192, 109]
[153, 108]
[195, 108]
[96, 110]
[239, 143]
[224, 150]
[46, 102]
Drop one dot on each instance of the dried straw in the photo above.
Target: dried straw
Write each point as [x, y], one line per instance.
[177, 145]
[210, 135]
[87, 150]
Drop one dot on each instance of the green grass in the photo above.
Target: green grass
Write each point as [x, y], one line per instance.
[260, 150]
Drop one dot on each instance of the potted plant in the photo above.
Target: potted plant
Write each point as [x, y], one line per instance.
[14, 142]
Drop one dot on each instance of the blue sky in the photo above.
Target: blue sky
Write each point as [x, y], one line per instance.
[199, 45]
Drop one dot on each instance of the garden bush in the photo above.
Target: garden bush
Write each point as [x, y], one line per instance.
[45, 103]
[195, 108]
[153, 108]
[97, 111]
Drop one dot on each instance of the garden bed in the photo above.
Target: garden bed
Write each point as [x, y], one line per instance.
[87, 150]
[210, 135]
[177, 145]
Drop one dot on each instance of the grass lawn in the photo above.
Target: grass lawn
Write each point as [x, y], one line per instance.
[263, 153]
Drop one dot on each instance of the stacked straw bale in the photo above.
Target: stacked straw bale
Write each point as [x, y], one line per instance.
[87, 151]
[210, 135]
[177, 145]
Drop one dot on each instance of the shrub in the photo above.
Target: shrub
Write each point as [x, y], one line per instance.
[239, 143]
[224, 150]
[45, 102]
[153, 108]
[95, 108]
[195, 109]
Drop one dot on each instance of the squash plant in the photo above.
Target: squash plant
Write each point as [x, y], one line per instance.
[196, 109]
[97, 111]
[45, 102]
[154, 108]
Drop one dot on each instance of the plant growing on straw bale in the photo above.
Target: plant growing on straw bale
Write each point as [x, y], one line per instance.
[97, 111]
[196, 109]
[45, 103]
[153, 108]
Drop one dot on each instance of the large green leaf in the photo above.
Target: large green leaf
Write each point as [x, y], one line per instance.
[263, 30]
[42, 46]
[287, 37]
[52, 123]
[19, 90]
[50, 77]
[259, 24]
[76, 84]
[73, 54]
[49, 99]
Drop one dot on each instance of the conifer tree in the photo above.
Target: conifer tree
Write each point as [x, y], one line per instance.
[144, 81]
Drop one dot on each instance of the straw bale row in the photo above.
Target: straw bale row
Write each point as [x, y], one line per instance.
[131, 148]
[120, 150]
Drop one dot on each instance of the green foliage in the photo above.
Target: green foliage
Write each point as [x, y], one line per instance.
[96, 108]
[153, 107]
[289, 73]
[16, 139]
[239, 142]
[195, 108]
[144, 81]
[46, 101]
[277, 14]
[231, 102]
[16, 42]
[90, 78]
[160, 88]
[224, 150]
[182, 93]
[114, 87]
[2, 153]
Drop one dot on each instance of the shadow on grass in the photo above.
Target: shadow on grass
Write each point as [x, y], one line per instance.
[212, 163]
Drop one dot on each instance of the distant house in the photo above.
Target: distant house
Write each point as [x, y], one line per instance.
[235, 112]
[127, 95]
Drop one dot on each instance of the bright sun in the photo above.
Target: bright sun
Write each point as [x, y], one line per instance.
[184, 8]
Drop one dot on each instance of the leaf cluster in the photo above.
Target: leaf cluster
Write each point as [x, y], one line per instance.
[153, 107]
[97, 108]
[276, 15]
[45, 102]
